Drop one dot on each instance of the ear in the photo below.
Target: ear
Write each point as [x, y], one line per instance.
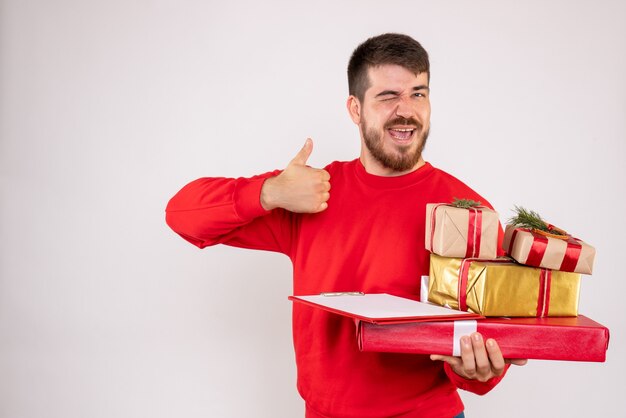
[354, 109]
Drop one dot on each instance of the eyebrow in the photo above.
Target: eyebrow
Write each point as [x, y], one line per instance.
[397, 93]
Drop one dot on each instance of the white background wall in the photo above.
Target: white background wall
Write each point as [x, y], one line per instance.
[107, 108]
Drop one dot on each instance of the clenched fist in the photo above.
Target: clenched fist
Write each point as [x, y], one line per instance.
[298, 188]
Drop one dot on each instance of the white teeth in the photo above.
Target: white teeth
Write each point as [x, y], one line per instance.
[403, 130]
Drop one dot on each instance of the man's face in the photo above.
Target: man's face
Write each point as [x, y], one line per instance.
[394, 119]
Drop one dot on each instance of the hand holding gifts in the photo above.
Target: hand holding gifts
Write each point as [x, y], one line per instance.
[531, 241]
[463, 228]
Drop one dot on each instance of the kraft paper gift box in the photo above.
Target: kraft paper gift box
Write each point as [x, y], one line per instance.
[502, 287]
[535, 249]
[459, 232]
[574, 338]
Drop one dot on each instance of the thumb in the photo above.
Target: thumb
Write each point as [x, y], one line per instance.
[303, 155]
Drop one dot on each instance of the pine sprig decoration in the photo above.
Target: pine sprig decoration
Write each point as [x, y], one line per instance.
[465, 203]
[532, 220]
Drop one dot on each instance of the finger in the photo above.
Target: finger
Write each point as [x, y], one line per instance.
[451, 360]
[325, 176]
[303, 155]
[324, 186]
[482, 359]
[323, 206]
[495, 356]
[467, 355]
[516, 361]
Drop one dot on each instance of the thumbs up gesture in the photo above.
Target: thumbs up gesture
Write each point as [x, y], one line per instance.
[298, 188]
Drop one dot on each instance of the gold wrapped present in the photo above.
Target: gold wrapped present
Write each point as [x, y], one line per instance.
[535, 248]
[502, 288]
[461, 232]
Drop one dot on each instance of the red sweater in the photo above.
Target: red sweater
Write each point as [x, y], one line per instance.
[370, 239]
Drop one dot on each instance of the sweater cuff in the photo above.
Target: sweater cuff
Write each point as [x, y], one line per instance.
[470, 385]
[247, 198]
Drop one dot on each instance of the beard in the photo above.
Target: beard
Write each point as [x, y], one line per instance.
[405, 158]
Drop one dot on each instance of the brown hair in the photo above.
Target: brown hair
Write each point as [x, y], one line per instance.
[388, 48]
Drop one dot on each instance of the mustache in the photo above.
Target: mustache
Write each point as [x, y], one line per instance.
[405, 122]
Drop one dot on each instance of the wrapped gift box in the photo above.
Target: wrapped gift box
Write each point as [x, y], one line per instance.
[502, 288]
[575, 338]
[534, 249]
[459, 232]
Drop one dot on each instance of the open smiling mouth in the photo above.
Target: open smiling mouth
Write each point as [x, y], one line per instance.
[401, 134]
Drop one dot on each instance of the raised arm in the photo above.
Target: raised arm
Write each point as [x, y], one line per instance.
[256, 212]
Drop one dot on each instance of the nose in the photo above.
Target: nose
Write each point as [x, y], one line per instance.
[404, 108]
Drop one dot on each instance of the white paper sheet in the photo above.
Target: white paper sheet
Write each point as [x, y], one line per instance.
[382, 307]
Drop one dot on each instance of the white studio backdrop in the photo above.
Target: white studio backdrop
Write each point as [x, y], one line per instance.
[108, 108]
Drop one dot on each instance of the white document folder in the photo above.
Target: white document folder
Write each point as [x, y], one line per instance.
[381, 308]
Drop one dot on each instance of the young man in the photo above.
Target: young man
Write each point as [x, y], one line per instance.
[365, 234]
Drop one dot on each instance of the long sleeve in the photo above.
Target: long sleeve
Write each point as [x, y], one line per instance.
[211, 211]
[474, 386]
